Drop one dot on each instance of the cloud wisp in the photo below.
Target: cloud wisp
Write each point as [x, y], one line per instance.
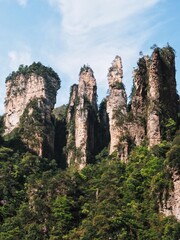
[22, 2]
[95, 31]
[17, 58]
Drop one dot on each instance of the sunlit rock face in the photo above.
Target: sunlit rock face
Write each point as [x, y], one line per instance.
[30, 99]
[82, 114]
[154, 102]
[116, 102]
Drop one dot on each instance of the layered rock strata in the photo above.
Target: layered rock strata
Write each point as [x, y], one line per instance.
[30, 99]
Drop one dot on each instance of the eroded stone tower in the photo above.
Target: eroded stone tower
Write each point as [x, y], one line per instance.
[30, 99]
[81, 118]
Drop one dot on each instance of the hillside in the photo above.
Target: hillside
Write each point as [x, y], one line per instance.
[90, 172]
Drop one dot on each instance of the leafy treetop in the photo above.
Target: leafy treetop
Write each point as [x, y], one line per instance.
[37, 68]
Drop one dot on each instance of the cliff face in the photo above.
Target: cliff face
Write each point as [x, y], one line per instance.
[153, 117]
[150, 116]
[116, 102]
[30, 99]
[171, 206]
[162, 96]
[71, 151]
[81, 119]
[153, 104]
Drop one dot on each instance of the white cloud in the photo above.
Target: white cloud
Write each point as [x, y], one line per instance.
[22, 2]
[81, 16]
[95, 31]
[19, 57]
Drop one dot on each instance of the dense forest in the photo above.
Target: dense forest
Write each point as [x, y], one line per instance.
[43, 195]
[105, 200]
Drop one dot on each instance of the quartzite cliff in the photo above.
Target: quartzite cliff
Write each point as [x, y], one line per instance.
[30, 98]
[81, 119]
[154, 102]
[150, 117]
[31, 95]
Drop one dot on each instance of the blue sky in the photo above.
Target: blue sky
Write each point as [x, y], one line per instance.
[66, 34]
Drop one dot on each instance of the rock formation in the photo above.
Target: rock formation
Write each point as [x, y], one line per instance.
[81, 119]
[71, 150]
[171, 206]
[149, 117]
[116, 102]
[30, 98]
[103, 134]
[154, 102]
[153, 118]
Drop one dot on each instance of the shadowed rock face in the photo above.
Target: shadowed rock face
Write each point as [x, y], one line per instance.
[171, 206]
[30, 99]
[71, 124]
[81, 119]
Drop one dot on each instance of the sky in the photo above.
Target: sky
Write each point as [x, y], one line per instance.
[66, 34]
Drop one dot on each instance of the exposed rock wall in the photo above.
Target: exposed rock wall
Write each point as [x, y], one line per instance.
[71, 125]
[82, 120]
[103, 126]
[30, 99]
[153, 117]
[154, 102]
[19, 92]
[171, 206]
[162, 95]
[116, 102]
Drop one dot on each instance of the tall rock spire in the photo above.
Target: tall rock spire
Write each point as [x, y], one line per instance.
[153, 105]
[30, 98]
[153, 117]
[162, 95]
[81, 122]
[116, 102]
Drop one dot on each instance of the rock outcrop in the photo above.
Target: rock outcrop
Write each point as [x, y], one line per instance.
[30, 98]
[154, 102]
[103, 134]
[116, 103]
[81, 118]
[171, 206]
[153, 94]
[73, 101]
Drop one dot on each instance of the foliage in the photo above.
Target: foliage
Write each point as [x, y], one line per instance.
[36, 68]
[118, 85]
[60, 112]
[106, 200]
[86, 68]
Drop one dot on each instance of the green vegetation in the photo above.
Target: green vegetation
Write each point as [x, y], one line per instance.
[86, 68]
[119, 85]
[42, 199]
[36, 68]
[47, 73]
[106, 200]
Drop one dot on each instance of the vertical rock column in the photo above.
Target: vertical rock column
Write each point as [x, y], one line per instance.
[116, 102]
[137, 126]
[85, 115]
[30, 99]
[153, 119]
[82, 114]
[71, 151]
